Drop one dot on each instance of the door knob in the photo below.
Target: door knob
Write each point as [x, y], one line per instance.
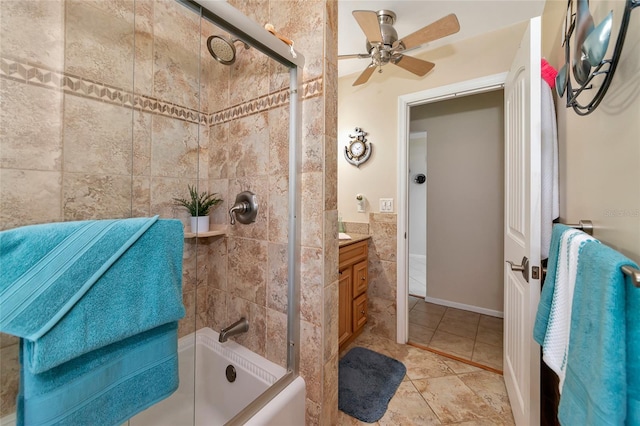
[523, 267]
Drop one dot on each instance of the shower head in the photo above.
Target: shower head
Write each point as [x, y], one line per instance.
[222, 48]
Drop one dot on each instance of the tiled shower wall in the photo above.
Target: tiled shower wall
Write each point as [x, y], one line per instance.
[312, 24]
[125, 107]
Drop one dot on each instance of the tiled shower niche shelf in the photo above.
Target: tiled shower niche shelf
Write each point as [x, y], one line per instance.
[214, 231]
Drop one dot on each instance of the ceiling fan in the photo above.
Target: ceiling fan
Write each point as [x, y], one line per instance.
[383, 46]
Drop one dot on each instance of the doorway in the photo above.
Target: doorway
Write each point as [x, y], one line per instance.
[417, 214]
[456, 306]
[464, 223]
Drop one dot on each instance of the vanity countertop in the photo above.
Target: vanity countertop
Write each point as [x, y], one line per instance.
[355, 238]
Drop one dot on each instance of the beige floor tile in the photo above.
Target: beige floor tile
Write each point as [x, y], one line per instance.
[413, 301]
[430, 307]
[452, 400]
[426, 319]
[487, 354]
[459, 327]
[453, 313]
[490, 336]
[367, 340]
[346, 420]
[452, 344]
[490, 387]
[490, 421]
[420, 334]
[491, 322]
[379, 344]
[423, 364]
[459, 367]
[408, 407]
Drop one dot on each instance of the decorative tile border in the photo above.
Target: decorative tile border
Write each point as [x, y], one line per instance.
[24, 72]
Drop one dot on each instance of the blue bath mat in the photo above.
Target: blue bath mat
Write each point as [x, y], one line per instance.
[367, 381]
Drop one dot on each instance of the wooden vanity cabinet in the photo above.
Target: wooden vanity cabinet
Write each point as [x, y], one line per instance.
[353, 284]
[345, 326]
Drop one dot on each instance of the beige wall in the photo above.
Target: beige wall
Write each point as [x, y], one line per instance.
[465, 168]
[121, 115]
[600, 153]
[374, 107]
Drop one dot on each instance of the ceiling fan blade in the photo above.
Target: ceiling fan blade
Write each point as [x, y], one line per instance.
[355, 55]
[368, 21]
[364, 77]
[438, 29]
[414, 65]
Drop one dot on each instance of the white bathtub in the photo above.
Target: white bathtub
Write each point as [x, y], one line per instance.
[216, 399]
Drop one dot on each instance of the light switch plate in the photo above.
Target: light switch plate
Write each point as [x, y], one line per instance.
[386, 205]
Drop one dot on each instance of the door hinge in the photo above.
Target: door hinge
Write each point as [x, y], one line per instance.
[535, 272]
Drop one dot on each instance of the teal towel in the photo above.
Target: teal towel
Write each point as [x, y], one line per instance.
[601, 385]
[633, 352]
[103, 387]
[96, 305]
[546, 297]
[73, 287]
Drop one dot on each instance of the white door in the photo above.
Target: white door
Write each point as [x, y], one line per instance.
[522, 228]
[417, 214]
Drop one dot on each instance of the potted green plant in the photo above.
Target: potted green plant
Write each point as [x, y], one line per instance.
[199, 206]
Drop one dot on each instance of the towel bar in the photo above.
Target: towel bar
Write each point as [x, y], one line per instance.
[587, 227]
[627, 270]
[633, 273]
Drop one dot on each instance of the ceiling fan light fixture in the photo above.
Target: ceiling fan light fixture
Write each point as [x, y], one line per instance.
[386, 16]
[383, 45]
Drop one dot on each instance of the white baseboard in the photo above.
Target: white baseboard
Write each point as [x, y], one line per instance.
[450, 304]
[8, 420]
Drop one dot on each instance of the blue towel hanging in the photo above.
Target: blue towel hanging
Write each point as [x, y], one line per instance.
[80, 294]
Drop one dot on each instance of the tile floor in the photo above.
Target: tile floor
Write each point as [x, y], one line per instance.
[465, 334]
[437, 390]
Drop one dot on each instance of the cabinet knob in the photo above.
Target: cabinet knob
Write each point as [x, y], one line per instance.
[362, 278]
[362, 312]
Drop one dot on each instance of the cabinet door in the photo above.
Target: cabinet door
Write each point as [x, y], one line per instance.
[360, 312]
[345, 329]
[360, 278]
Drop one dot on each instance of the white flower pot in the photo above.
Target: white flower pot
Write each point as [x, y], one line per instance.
[199, 224]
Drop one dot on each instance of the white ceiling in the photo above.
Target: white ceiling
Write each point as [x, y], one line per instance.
[475, 17]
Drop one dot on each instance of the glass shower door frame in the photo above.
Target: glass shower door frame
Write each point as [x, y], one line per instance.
[230, 19]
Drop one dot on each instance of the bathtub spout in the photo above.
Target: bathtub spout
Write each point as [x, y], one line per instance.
[240, 326]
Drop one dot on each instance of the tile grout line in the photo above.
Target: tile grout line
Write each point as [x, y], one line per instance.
[425, 401]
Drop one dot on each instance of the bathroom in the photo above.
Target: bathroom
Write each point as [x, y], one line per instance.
[602, 141]
[69, 180]
[93, 154]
